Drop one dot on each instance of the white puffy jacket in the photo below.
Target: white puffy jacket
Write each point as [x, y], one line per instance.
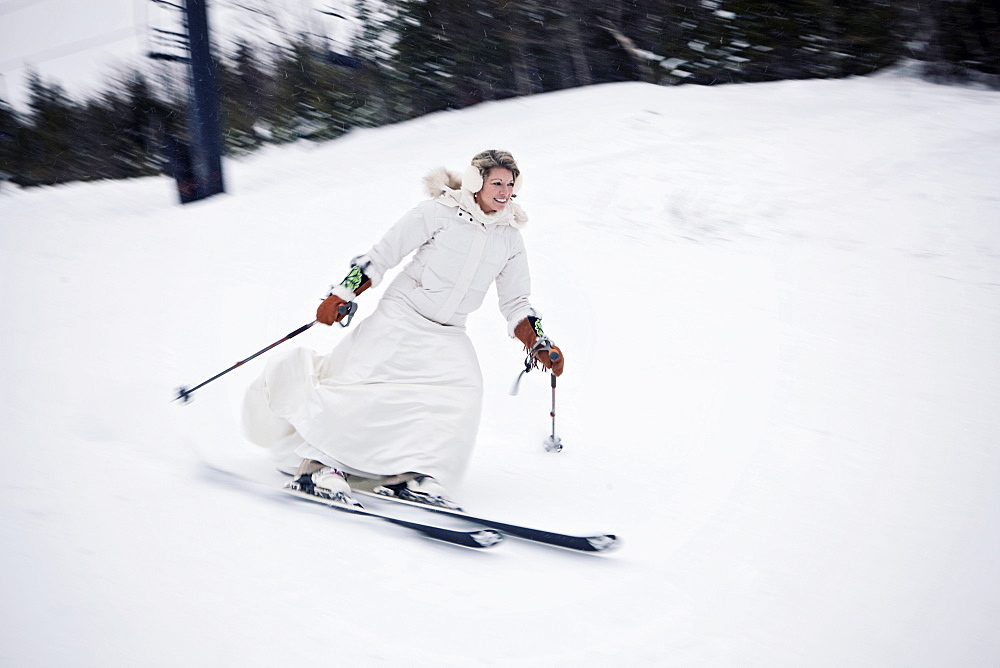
[457, 258]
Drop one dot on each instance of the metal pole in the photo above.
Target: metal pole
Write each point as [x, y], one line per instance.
[184, 394]
[348, 309]
[203, 110]
[553, 443]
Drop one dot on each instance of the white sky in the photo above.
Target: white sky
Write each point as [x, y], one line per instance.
[79, 44]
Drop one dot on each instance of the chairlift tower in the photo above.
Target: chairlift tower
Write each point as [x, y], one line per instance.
[195, 163]
[204, 113]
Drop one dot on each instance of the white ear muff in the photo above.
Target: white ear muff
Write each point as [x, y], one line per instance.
[518, 182]
[472, 180]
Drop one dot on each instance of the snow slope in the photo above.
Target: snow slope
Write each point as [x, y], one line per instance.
[780, 305]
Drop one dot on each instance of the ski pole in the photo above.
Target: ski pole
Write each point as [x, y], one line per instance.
[553, 443]
[184, 394]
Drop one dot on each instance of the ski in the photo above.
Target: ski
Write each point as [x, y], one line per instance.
[596, 543]
[481, 538]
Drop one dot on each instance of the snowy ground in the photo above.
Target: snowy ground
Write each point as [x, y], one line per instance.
[780, 305]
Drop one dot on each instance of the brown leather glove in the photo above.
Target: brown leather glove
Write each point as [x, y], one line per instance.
[529, 332]
[334, 308]
[330, 312]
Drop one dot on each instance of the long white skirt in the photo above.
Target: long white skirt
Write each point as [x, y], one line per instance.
[399, 394]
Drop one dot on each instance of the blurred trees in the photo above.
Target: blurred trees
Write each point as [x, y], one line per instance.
[108, 137]
[246, 90]
[412, 57]
[744, 40]
[959, 40]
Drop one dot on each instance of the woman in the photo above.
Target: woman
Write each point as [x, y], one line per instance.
[399, 399]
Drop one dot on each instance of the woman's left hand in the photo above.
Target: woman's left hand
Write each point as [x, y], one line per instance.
[551, 359]
[529, 332]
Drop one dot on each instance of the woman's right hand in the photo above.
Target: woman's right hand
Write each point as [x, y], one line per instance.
[330, 310]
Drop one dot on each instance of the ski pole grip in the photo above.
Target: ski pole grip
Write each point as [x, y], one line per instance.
[348, 309]
[554, 356]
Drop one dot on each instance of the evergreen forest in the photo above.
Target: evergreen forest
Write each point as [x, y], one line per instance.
[414, 57]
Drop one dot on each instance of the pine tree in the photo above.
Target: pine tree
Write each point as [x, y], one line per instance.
[373, 78]
[11, 131]
[723, 41]
[50, 147]
[963, 41]
[246, 91]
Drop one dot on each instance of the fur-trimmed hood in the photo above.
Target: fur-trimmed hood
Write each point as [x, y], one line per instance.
[446, 187]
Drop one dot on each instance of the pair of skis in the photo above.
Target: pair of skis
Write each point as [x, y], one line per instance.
[490, 532]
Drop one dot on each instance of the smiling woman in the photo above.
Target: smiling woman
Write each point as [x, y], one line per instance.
[399, 400]
[494, 178]
[497, 189]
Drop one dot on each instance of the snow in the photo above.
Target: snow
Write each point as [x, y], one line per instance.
[780, 306]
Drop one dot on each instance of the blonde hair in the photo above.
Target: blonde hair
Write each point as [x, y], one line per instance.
[487, 160]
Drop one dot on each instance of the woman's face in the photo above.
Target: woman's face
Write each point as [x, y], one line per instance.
[497, 189]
